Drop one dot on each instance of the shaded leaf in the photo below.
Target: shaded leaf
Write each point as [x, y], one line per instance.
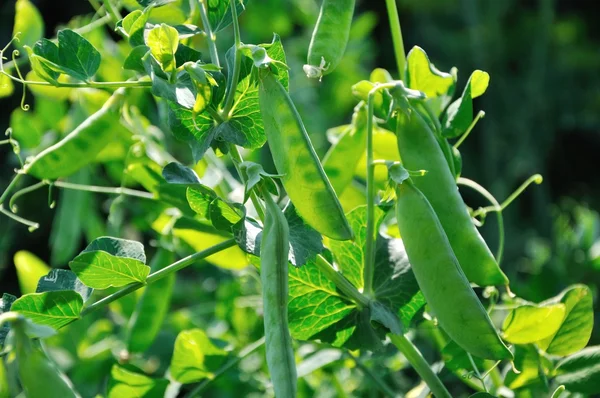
[6, 301]
[219, 13]
[63, 279]
[77, 56]
[580, 372]
[118, 247]
[460, 113]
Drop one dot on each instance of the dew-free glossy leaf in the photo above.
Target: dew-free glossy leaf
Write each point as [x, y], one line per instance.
[101, 270]
[195, 357]
[219, 13]
[6, 302]
[580, 372]
[460, 113]
[26, 128]
[63, 279]
[134, 59]
[55, 309]
[6, 86]
[118, 247]
[30, 269]
[527, 361]
[163, 41]
[29, 24]
[528, 323]
[576, 328]
[77, 56]
[125, 383]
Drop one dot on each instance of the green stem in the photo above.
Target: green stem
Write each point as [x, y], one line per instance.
[155, 276]
[30, 224]
[18, 194]
[10, 187]
[396, 36]
[497, 208]
[112, 11]
[126, 84]
[212, 45]
[341, 282]
[244, 352]
[237, 159]
[369, 255]
[420, 365]
[108, 190]
[237, 63]
[480, 115]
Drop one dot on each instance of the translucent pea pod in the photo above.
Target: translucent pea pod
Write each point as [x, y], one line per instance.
[38, 375]
[274, 251]
[419, 150]
[330, 37]
[304, 179]
[151, 308]
[80, 146]
[442, 281]
[348, 151]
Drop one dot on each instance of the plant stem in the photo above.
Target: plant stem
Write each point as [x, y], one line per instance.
[341, 282]
[236, 64]
[212, 45]
[155, 276]
[463, 137]
[237, 159]
[108, 190]
[31, 224]
[396, 36]
[127, 84]
[244, 352]
[420, 365]
[112, 11]
[369, 255]
[10, 187]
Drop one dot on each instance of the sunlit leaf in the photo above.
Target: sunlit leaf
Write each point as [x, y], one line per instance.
[30, 269]
[55, 309]
[101, 270]
[195, 357]
[28, 22]
[125, 383]
[528, 323]
[163, 41]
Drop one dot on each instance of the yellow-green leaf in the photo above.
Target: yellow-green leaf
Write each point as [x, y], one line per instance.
[195, 357]
[163, 41]
[30, 269]
[28, 22]
[6, 86]
[528, 323]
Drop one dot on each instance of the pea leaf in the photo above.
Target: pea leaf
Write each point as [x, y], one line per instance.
[63, 279]
[77, 57]
[101, 270]
[26, 128]
[422, 75]
[163, 41]
[457, 359]
[184, 190]
[195, 357]
[6, 86]
[580, 372]
[197, 130]
[6, 301]
[30, 269]
[459, 115]
[224, 215]
[219, 13]
[125, 383]
[529, 323]
[576, 328]
[118, 247]
[527, 361]
[44, 60]
[29, 24]
[134, 60]
[305, 242]
[55, 309]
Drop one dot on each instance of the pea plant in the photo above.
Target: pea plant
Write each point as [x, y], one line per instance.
[359, 274]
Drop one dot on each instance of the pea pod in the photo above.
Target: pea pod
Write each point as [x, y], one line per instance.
[304, 180]
[151, 308]
[330, 37]
[442, 281]
[38, 375]
[274, 250]
[419, 150]
[80, 146]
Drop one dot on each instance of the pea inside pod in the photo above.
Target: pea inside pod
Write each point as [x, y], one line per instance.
[330, 37]
[419, 150]
[304, 180]
[442, 281]
[274, 250]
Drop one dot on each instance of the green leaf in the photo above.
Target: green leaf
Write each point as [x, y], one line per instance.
[63, 279]
[224, 215]
[77, 56]
[6, 86]
[527, 361]
[30, 269]
[184, 190]
[196, 130]
[576, 328]
[580, 372]
[101, 270]
[459, 115]
[44, 60]
[457, 359]
[134, 59]
[125, 383]
[133, 26]
[55, 309]
[118, 247]
[305, 242]
[219, 13]
[28, 22]
[528, 323]
[195, 357]
[26, 128]
[176, 173]
[6, 301]
[163, 41]
[422, 75]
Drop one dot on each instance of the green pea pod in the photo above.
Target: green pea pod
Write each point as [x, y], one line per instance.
[274, 250]
[80, 146]
[442, 281]
[304, 180]
[419, 150]
[330, 37]
[39, 376]
[339, 160]
[151, 309]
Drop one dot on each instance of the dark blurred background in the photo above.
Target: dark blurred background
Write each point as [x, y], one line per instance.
[542, 115]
